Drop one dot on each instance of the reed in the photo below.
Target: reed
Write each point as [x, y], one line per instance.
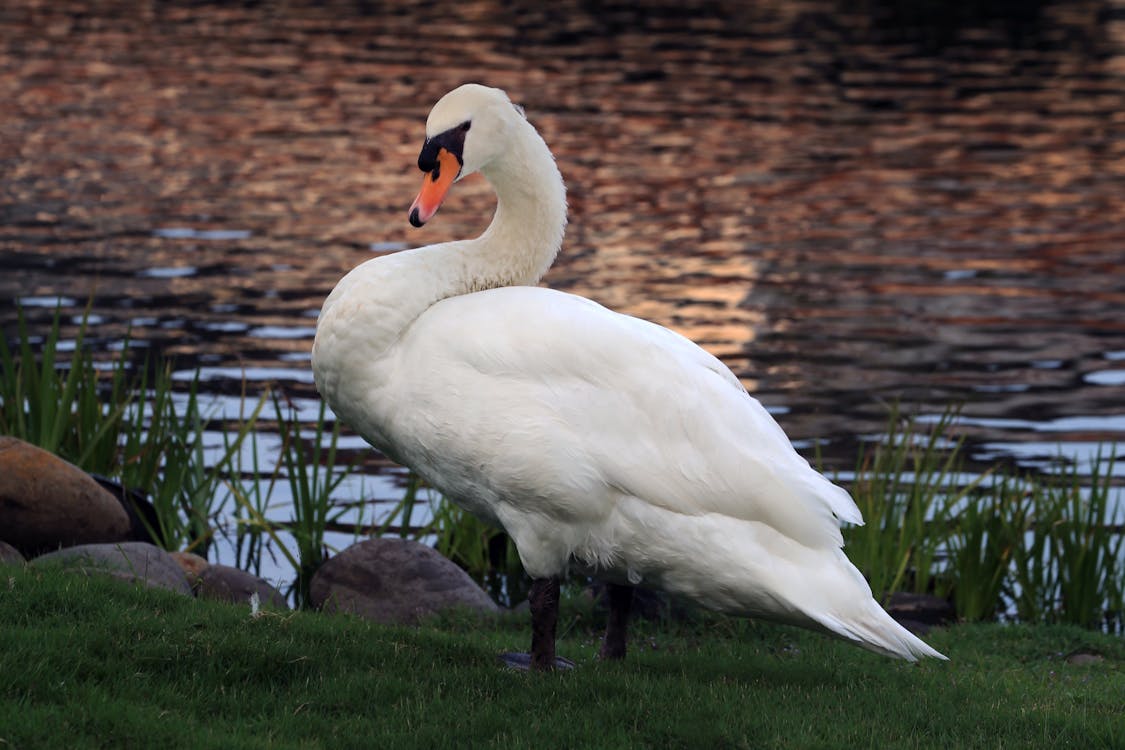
[1088, 552]
[63, 407]
[1033, 583]
[164, 454]
[905, 485]
[251, 490]
[399, 521]
[484, 551]
[120, 423]
[313, 476]
[998, 545]
[985, 536]
[309, 469]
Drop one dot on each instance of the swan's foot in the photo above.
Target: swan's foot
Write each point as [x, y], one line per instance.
[522, 662]
[544, 601]
[620, 602]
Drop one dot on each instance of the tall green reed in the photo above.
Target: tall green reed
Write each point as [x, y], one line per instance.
[62, 406]
[405, 508]
[1041, 548]
[905, 484]
[125, 424]
[189, 492]
[1033, 582]
[986, 533]
[252, 490]
[308, 467]
[484, 551]
[1089, 554]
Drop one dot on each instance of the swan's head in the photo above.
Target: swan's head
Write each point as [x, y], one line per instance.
[466, 130]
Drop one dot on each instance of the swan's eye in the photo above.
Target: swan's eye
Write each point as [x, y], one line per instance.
[465, 126]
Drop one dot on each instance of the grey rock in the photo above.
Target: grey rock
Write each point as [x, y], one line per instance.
[127, 561]
[47, 503]
[9, 555]
[395, 581]
[229, 584]
[1084, 658]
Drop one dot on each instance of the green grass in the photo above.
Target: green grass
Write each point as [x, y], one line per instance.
[88, 662]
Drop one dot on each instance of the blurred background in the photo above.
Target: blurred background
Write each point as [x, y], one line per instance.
[851, 203]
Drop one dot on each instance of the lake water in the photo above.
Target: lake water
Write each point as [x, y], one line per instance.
[849, 203]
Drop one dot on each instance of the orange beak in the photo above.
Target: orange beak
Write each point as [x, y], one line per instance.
[435, 185]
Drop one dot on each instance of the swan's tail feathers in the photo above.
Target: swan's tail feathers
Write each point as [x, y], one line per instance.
[877, 631]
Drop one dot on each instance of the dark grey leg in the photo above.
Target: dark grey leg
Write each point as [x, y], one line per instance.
[544, 600]
[620, 602]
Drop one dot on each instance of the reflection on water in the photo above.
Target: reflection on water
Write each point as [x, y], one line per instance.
[187, 233]
[849, 203]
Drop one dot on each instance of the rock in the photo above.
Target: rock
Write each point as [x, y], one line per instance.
[127, 561]
[192, 564]
[9, 555]
[1084, 658]
[395, 581]
[229, 584]
[47, 503]
[920, 613]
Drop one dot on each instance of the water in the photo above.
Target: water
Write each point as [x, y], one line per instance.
[850, 204]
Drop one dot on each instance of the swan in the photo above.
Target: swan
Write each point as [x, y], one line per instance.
[598, 441]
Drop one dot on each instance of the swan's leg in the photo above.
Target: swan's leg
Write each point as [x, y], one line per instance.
[544, 601]
[620, 602]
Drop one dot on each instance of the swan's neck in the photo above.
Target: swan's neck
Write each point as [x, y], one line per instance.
[527, 229]
[371, 306]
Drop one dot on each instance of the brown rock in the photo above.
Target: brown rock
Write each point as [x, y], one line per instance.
[128, 561]
[192, 564]
[395, 581]
[47, 503]
[229, 584]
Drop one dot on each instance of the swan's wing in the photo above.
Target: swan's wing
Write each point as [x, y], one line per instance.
[630, 405]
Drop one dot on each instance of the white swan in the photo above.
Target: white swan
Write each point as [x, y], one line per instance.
[594, 439]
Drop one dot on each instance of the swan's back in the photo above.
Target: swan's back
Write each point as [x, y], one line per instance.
[583, 399]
